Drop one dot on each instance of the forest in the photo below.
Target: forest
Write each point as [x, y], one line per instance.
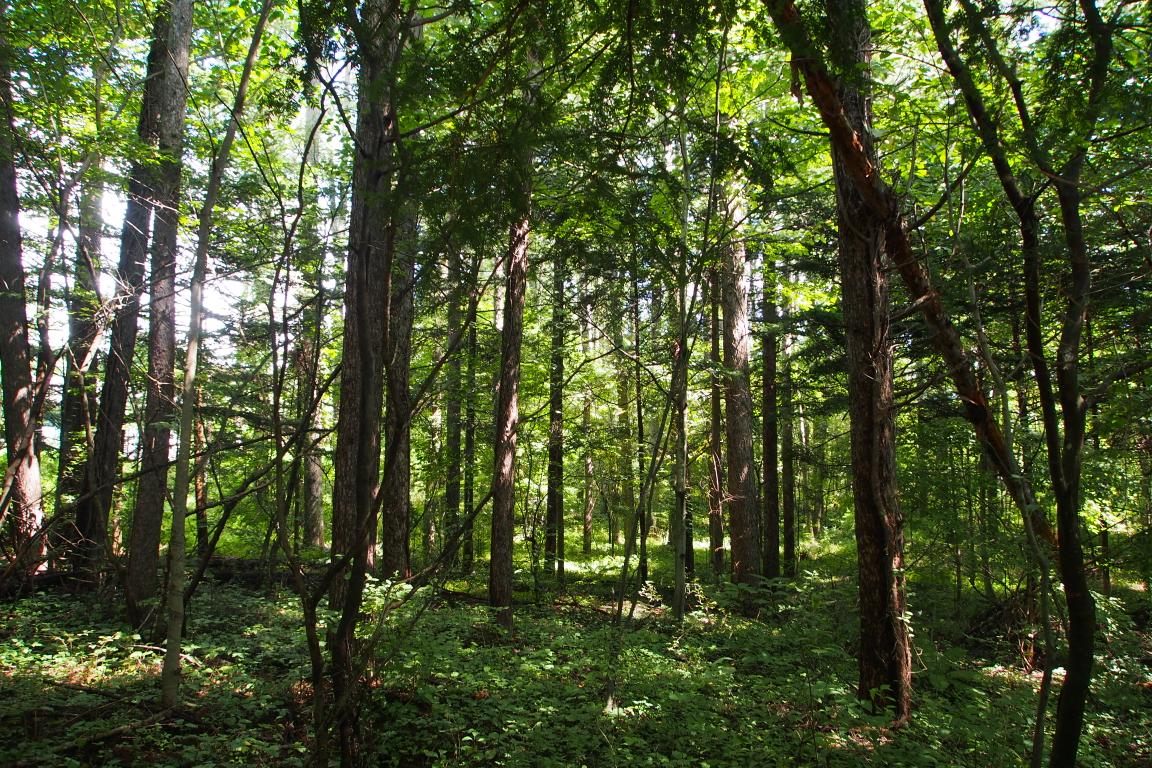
[558, 383]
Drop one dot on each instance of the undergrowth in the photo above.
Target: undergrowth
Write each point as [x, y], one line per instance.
[568, 688]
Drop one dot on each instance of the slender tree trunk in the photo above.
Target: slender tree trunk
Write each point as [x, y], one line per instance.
[170, 672]
[586, 430]
[643, 503]
[453, 425]
[22, 489]
[160, 406]
[554, 519]
[78, 400]
[200, 485]
[743, 496]
[716, 475]
[769, 421]
[788, 460]
[468, 547]
[680, 529]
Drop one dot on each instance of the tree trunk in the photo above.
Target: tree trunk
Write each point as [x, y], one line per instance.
[468, 547]
[554, 519]
[95, 506]
[885, 660]
[371, 244]
[743, 497]
[788, 458]
[454, 394]
[22, 481]
[396, 507]
[160, 406]
[769, 421]
[508, 413]
[78, 400]
[716, 477]
[170, 672]
[586, 430]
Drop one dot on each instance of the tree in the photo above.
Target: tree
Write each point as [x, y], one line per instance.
[21, 499]
[554, 521]
[769, 344]
[743, 495]
[160, 407]
[885, 657]
[100, 478]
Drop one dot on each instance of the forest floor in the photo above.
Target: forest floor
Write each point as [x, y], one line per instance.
[569, 688]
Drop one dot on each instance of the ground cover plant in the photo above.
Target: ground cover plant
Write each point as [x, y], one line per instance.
[449, 687]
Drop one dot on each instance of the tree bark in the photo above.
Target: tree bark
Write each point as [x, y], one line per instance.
[95, 506]
[788, 459]
[885, 660]
[508, 413]
[743, 496]
[371, 245]
[554, 519]
[770, 338]
[396, 507]
[160, 406]
[468, 547]
[454, 394]
[22, 489]
[78, 400]
[716, 475]
[586, 430]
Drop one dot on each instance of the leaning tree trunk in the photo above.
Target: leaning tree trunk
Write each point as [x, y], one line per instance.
[743, 496]
[160, 406]
[22, 490]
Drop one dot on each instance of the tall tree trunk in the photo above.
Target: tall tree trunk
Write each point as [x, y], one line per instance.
[371, 244]
[769, 426]
[788, 456]
[200, 484]
[588, 493]
[454, 394]
[22, 489]
[160, 405]
[885, 660]
[78, 400]
[468, 547]
[170, 672]
[100, 477]
[396, 507]
[1063, 407]
[743, 496]
[508, 409]
[554, 519]
[716, 475]
[643, 502]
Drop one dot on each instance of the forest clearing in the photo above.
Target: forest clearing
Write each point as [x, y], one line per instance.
[526, 382]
